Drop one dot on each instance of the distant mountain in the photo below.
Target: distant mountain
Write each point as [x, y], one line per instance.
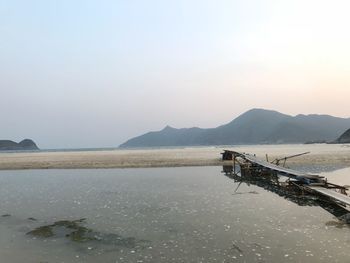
[7, 145]
[344, 138]
[256, 126]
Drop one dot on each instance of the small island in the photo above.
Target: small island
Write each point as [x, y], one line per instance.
[25, 145]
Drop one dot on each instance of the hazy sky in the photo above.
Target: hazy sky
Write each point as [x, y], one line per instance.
[95, 73]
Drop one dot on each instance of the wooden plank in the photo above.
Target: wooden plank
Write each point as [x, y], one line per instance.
[279, 169]
[331, 193]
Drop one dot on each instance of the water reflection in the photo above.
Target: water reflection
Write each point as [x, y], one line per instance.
[273, 183]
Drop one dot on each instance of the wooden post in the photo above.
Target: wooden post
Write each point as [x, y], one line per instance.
[234, 164]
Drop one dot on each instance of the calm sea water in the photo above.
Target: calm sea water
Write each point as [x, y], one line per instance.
[192, 214]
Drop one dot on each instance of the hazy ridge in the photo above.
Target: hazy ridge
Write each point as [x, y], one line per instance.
[256, 126]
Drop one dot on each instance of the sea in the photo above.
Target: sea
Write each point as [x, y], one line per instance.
[181, 214]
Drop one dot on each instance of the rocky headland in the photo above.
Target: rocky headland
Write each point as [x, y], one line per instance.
[25, 145]
[344, 138]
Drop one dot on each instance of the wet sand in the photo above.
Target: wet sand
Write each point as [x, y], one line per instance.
[321, 154]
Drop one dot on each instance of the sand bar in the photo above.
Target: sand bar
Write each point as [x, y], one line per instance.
[196, 156]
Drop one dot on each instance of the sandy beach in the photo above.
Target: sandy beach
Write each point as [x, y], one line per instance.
[321, 154]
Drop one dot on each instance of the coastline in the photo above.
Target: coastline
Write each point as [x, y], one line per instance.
[197, 156]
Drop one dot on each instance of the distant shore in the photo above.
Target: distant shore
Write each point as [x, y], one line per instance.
[207, 156]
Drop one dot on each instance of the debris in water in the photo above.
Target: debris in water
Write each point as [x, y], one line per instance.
[74, 231]
[6, 215]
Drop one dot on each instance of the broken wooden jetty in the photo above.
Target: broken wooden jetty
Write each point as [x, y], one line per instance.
[290, 192]
[306, 182]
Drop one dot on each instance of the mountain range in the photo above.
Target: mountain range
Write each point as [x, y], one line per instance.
[256, 126]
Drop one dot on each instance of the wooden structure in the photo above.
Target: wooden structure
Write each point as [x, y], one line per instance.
[306, 182]
[289, 191]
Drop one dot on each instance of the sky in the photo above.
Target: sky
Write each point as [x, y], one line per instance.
[83, 73]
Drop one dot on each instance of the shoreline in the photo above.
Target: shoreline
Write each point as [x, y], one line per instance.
[208, 156]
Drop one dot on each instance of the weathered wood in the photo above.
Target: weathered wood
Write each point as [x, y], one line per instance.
[309, 182]
[331, 193]
[227, 155]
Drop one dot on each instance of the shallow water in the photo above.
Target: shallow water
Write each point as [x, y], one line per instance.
[192, 214]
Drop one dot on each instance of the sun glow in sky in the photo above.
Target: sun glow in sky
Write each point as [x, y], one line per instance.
[95, 73]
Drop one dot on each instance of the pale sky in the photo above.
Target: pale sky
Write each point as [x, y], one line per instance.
[95, 73]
